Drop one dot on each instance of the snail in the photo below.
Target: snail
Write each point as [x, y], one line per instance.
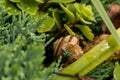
[69, 43]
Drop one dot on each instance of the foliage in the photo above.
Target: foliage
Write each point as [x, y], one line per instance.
[77, 12]
[103, 71]
[82, 13]
[23, 37]
[21, 50]
[106, 4]
[31, 6]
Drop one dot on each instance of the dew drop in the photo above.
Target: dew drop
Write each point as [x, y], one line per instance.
[28, 8]
[105, 46]
[94, 56]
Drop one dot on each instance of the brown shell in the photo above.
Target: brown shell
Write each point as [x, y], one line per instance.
[60, 42]
[75, 49]
[68, 43]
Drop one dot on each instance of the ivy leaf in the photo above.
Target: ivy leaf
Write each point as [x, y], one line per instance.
[30, 6]
[62, 1]
[87, 32]
[46, 25]
[117, 72]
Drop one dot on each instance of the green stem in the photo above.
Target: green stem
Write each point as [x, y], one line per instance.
[69, 30]
[91, 59]
[68, 12]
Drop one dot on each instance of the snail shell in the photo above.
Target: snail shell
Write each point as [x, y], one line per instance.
[70, 43]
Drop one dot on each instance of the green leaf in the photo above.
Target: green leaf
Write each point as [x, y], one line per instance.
[46, 25]
[117, 72]
[30, 6]
[15, 0]
[71, 7]
[85, 11]
[10, 8]
[40, 1]
[87, 32]
[61, 1]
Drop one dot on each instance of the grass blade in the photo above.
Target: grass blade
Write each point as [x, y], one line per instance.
[106, 19]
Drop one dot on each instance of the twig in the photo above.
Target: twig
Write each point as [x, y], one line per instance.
[68, 75]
